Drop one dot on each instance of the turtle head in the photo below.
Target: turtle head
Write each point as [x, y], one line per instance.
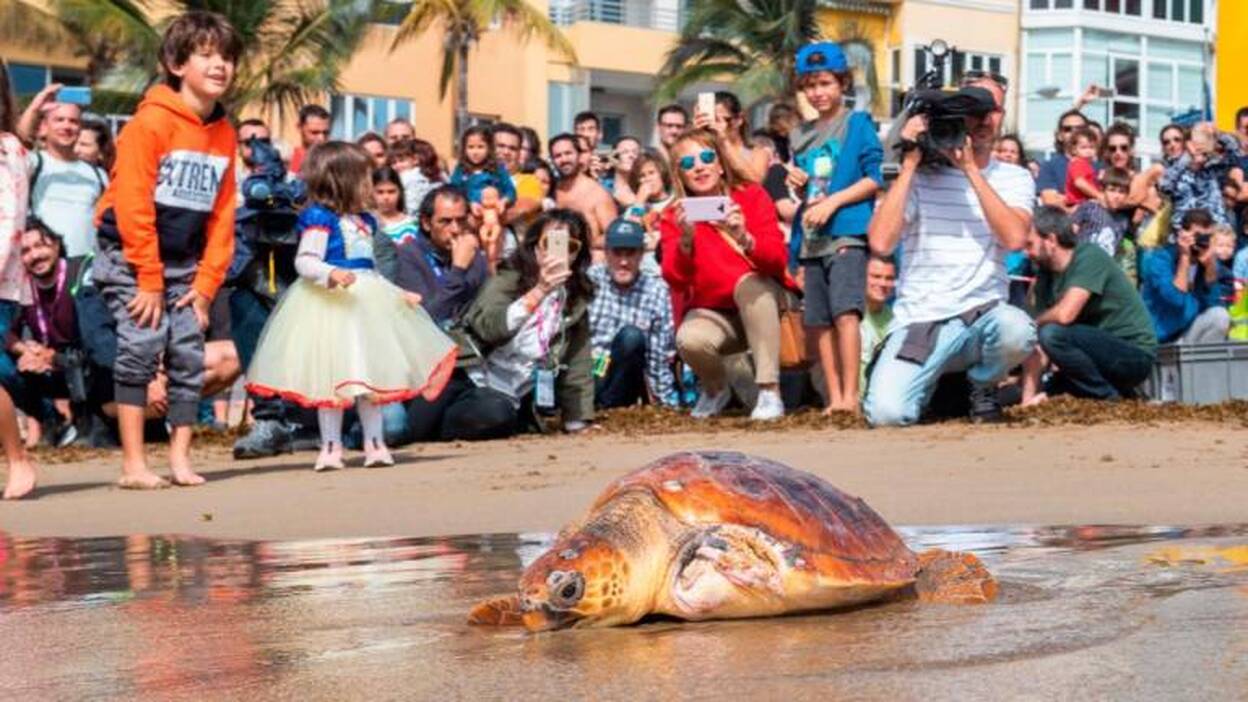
[581, 581]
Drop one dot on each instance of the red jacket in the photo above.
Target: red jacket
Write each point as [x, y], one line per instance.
[707, 277]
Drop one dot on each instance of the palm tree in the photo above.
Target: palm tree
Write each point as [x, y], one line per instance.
[753, 42]
[463, 22]
[293, 50]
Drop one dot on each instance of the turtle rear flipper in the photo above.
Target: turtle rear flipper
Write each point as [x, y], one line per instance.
[953, 578]
[499, 611]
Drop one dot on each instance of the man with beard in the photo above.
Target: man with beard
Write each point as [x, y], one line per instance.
[577, 191]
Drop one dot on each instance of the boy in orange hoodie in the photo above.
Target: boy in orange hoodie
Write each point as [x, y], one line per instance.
[166, 236]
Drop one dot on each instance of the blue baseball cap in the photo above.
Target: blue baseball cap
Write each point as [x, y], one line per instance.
[625, 234]
[821, 56]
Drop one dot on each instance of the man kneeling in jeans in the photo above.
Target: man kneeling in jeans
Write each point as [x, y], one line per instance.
[630, 320]
[1093, 325]
[955, 224]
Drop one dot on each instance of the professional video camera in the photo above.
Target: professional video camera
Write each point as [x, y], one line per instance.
[946, 117]
[265, 223]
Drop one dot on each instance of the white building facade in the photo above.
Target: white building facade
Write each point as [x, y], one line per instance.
[1154, 55]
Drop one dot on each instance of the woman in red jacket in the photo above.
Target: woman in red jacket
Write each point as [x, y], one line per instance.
[729, 274]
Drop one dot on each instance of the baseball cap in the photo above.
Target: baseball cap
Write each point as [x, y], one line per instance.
[821, 56]
[625, 234]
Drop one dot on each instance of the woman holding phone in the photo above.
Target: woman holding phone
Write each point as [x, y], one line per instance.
[729, 269]
[532, 322]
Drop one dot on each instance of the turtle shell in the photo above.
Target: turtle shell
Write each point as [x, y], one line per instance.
[825, 530]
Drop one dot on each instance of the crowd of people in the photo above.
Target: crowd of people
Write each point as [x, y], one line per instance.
[370, 294]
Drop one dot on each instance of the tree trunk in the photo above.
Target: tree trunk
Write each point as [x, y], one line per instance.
[461, 91]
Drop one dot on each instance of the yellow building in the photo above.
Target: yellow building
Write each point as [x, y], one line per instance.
[1230, 57]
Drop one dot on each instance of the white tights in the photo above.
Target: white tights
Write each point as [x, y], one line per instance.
[330, 422]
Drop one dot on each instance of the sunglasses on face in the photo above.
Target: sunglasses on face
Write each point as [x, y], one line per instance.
[687, 163]
[1115, 148]
[1068, 128]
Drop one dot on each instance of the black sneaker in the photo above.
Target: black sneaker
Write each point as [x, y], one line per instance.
[267, 437]
[985, 407]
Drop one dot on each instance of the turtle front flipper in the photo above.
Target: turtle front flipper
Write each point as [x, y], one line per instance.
[953, 578]
[499, 611]
[726, 571]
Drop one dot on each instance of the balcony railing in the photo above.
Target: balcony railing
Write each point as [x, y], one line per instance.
[632, 13]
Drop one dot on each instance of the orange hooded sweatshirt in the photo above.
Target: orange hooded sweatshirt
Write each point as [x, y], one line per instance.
[171, 197]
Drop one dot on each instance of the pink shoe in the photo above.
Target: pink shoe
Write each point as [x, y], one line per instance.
[377, 455]
[330, 458]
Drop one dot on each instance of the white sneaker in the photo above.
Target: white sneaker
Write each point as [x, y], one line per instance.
[710, 405]
[768, 407]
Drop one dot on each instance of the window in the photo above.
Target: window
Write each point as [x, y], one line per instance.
[1192, 11]
[956, 64]
[352, 115]
[563, 100]
[895, 87]
[28, 78]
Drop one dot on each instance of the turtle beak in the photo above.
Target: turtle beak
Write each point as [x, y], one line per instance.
[543, 618]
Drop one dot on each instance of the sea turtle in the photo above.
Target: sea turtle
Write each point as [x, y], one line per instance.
[713, 535]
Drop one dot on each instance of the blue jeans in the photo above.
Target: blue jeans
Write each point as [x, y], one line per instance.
[987, 350]
[10, 379]
[625, 381]
[1094, 363]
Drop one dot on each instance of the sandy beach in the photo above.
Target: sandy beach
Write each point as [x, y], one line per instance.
[1170, 472]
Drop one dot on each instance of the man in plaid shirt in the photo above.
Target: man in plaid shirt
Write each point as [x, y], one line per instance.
[630, 321]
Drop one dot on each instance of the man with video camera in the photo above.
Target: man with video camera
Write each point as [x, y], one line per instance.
[955, 212]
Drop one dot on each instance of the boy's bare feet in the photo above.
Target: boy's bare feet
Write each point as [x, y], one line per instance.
[141, 480]
[21, 480]
[183, 476]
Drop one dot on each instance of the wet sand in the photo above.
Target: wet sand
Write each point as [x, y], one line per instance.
[1184, 472]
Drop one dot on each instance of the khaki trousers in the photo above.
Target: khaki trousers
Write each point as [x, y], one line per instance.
[706, 337]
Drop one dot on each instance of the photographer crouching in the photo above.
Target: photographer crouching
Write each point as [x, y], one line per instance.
[955, 213]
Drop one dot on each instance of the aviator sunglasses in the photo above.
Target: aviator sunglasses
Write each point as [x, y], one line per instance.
[687, 163]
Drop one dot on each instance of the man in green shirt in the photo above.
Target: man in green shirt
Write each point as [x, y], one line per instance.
[1094, 328]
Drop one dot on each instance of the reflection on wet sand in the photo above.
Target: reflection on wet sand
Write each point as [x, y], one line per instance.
[1096, 611]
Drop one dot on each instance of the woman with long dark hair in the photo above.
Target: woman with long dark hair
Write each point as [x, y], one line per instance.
[14, 287]
[532, 321]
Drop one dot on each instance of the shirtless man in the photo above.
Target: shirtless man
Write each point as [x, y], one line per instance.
[577, 191]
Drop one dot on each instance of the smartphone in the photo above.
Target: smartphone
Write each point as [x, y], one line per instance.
[74, 95]
[706, 104]
[706, 209]
[557, 244]
[1105, 92]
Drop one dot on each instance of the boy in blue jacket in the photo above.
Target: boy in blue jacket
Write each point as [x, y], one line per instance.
[1180, 285]
[839, 157]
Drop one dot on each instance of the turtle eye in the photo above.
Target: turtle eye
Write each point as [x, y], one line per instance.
[567, 590]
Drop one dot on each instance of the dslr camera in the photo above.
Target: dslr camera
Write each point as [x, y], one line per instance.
[946, 119]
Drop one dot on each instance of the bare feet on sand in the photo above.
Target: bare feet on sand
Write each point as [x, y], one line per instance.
[140, 478]
[183, 476]
[21, 480]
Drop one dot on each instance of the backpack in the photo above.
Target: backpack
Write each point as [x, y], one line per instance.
[38, 169]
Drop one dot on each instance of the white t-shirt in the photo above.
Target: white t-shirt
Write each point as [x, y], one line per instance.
[950, 261]
[64, 196]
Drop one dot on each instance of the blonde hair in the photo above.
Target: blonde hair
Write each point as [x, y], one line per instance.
[1223, 230]
[1203, 137]
[334, 172]
[733, 177]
